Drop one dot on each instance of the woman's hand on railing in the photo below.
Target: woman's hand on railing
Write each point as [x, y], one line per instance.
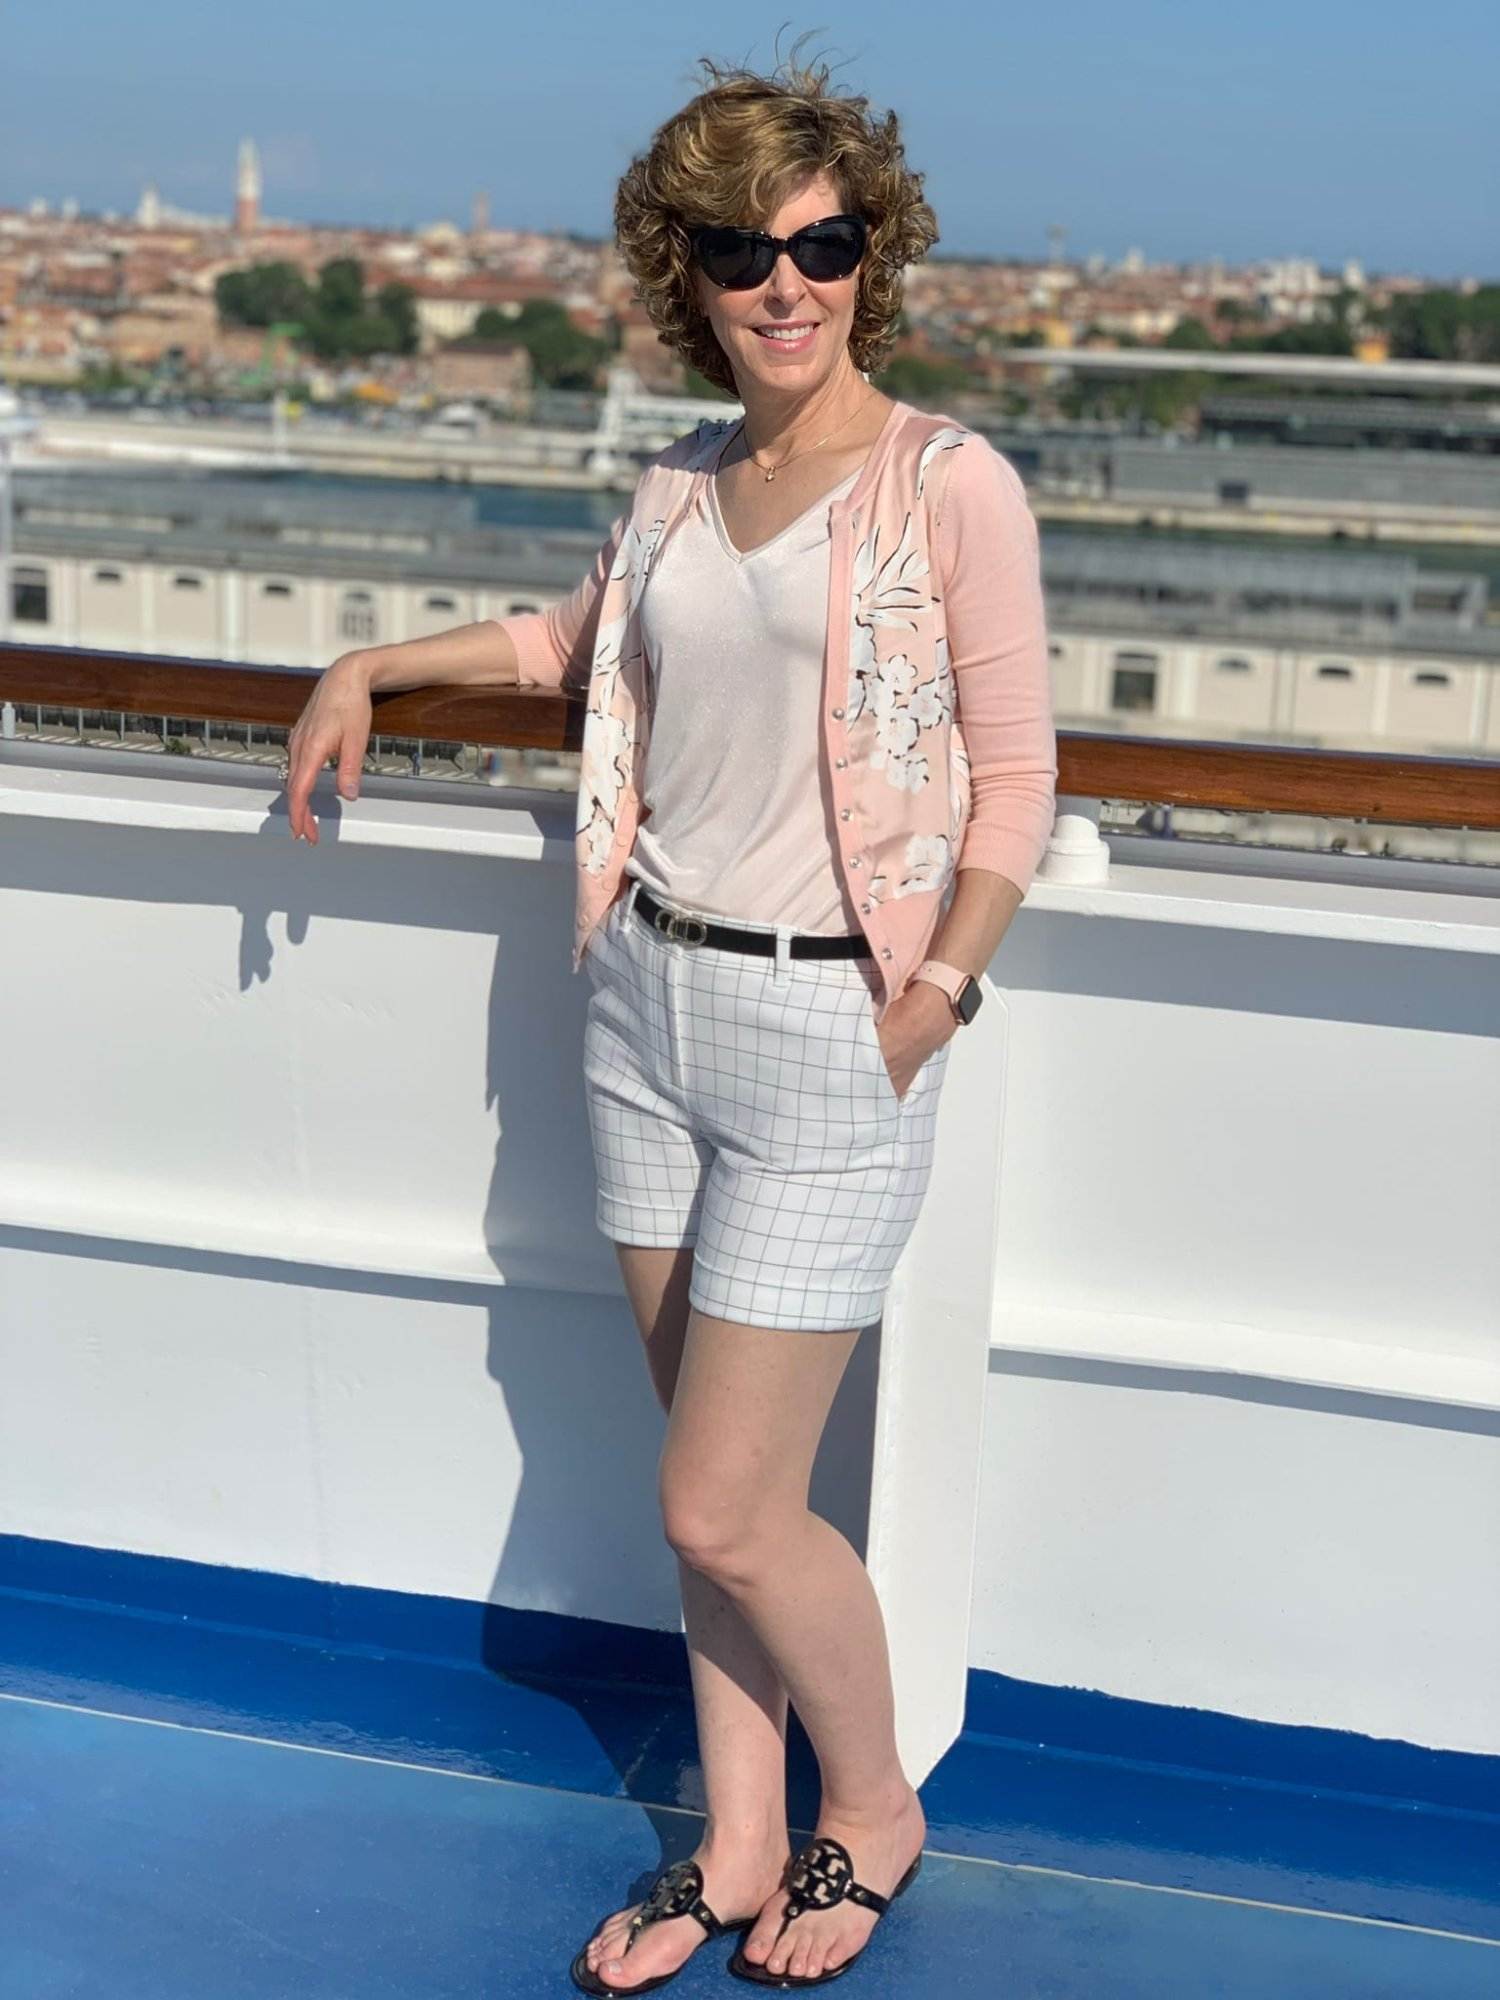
[335, 724]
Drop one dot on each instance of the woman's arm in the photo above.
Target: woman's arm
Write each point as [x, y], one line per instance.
[988, 560]
[987, 557]
[555, 648]
[547, 649]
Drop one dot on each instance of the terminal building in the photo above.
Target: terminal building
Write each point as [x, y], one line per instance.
[1321, 477]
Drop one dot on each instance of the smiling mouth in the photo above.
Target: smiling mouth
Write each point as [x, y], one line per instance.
[787, 334]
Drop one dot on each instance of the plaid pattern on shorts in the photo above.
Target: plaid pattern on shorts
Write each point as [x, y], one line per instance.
[742, 1104]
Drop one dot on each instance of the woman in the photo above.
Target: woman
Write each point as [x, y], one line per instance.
[817, 776]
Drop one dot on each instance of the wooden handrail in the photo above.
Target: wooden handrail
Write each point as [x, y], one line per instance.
[1237, 777]
[212, 691]
[1379, 785]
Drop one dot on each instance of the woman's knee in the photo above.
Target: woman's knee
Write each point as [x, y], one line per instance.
[716, 1528]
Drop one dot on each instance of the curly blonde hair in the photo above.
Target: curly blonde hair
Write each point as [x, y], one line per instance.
[734, 155]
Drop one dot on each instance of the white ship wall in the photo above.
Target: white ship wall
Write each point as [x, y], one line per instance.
[299, 1270]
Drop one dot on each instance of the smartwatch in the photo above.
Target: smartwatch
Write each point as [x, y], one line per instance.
[962, 988]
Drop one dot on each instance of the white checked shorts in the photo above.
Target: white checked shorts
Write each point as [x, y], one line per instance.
[743, 1105]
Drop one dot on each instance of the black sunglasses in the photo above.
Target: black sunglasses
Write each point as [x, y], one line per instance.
[736, 260]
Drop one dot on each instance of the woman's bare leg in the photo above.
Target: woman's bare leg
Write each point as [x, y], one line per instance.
[738, 1696]
[747, 1413]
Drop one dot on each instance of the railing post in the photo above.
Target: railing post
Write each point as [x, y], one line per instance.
[1076, 851]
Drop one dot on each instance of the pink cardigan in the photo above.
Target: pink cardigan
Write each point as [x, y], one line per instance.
[937, 737]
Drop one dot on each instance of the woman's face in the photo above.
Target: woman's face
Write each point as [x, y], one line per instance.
[824, 312]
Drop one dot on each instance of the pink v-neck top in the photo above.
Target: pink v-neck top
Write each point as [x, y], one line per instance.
[737, 821]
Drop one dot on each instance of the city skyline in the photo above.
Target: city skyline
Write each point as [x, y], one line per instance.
[1321, 140]
[165, 215]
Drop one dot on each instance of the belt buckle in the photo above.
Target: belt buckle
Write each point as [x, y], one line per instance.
[670, 929]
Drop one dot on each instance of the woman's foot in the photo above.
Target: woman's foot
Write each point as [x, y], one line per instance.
[735, 1882]
[882, 1845]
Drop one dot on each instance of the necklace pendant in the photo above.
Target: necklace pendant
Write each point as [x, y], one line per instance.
[770, 475]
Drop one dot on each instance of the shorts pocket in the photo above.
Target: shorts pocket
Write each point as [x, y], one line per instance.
[602, 940]
[591, 953]
[883, 1083]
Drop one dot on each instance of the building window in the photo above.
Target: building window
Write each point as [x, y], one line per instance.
[441, 604]
[1133, 683]
[187, 582]
[1332, 670]
[28, 596]
[107, 576]
[357, 617]
[276, 590]
[1429, 677]
[1232, 666]
[1054, 650]
[516, 610]
[1234, 492]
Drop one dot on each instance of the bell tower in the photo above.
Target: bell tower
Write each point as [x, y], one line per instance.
[247, 189]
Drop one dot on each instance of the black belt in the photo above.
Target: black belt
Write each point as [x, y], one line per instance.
[685, 929]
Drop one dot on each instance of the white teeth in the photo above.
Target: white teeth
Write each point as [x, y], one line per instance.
[782, 333]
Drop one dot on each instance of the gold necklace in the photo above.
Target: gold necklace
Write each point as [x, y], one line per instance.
[803, 453]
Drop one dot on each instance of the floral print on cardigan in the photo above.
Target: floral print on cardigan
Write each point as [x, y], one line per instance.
[892, 595]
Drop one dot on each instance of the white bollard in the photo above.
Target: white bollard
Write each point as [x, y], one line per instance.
[1076, 851]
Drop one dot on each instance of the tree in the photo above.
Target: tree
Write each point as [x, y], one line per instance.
[1444, 325]
[397, 306]
[261, 295]
[912, 376]
[1190, 333]
[341, 287]
[1331, 332]
[562, 355]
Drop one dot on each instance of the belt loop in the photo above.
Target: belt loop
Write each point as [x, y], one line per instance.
[630, 896]
[783, 963]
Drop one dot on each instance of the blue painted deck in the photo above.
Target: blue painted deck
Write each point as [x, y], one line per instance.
[195, 1806]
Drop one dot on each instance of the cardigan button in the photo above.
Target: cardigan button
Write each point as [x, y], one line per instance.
[885, 951]
[839, 713]
[839, 763]
[866, 908]
[844, 812]
[853, 860]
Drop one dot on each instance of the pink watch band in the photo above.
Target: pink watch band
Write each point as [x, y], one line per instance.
[948, 977]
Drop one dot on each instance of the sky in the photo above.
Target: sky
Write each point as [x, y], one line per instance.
[1329, 129]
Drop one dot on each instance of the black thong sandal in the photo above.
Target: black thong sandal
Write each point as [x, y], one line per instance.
[821, 1875]
[676, 1892]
